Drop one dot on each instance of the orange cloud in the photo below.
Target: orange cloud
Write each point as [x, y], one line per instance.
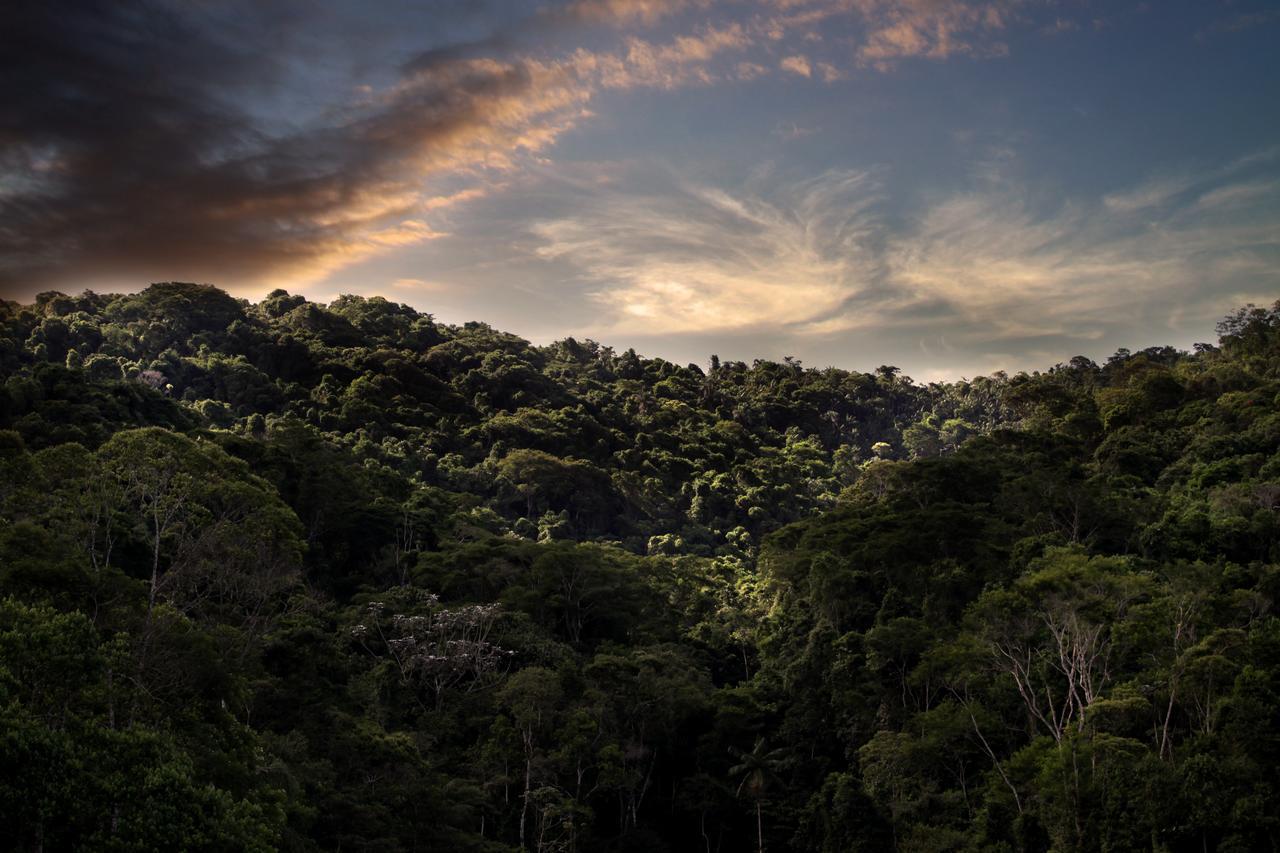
[904, 29]
[894, 30]
[619, 12]
[796, 65]
[679, 62]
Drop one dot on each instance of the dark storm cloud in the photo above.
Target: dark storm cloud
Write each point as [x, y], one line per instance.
[128, 145]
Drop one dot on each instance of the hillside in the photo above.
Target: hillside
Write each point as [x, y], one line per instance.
[303, 577]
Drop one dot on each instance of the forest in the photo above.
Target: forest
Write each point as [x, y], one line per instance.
[304, 577]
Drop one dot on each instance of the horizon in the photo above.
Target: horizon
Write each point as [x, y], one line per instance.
[954, 188]
[705, 359]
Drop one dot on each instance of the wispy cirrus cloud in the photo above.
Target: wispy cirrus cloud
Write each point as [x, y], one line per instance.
[1007, 272]
[990, 266]
[700, 258]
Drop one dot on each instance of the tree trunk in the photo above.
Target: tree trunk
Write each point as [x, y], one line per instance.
[155, 567]
[524, 805]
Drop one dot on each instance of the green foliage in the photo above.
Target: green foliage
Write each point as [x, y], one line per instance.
[305, 577]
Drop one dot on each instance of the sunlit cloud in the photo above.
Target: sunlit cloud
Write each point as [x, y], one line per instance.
[796, 65]
[1007, 271]
[679, 62]
[830, 73]
[208, 200]
[204, 199]
[905, 29]
[416, 284]
[1239, 194]
[705, 259]
[820, 258]
[299, 205]
[889, 31]
[423, 161]
[619, 12]
[217, 194]
[1151, 194]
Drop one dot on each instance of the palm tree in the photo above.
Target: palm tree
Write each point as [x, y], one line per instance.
[758, 769]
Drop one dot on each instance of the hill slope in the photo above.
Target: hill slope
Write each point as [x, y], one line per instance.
[304, 577]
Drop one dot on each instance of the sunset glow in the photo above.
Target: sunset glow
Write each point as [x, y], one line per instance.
[958, 186]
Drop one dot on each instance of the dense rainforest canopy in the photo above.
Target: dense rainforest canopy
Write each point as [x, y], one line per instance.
[304, 577]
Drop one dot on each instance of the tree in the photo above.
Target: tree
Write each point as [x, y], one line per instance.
[1051, 634]
[442, 648]
[531, 697]
[758, 771]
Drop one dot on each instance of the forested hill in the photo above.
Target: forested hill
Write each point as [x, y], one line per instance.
[304, 577]
[570, 441]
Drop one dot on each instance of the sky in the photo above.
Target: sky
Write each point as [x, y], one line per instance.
[950, 186]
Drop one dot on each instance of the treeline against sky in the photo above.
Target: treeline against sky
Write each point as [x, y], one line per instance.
[305, 577]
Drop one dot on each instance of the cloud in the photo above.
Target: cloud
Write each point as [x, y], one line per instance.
[995, 271]
[618, 12]
[142, 173]
[145, 139]
[1239, 194]
[830, 73]
[931, 29]
[1151, 194]
[1059, 26]
[682, 61]
[1011, 272]
[796, 65]
[1213, 185]
[138, 140]
[699, 258]
[791, 131]
[889, 31]
[416, 284]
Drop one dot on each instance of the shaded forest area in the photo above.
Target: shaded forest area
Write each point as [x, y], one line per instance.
[304, 577]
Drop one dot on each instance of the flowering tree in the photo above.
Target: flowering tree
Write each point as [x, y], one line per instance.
[441, 649]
